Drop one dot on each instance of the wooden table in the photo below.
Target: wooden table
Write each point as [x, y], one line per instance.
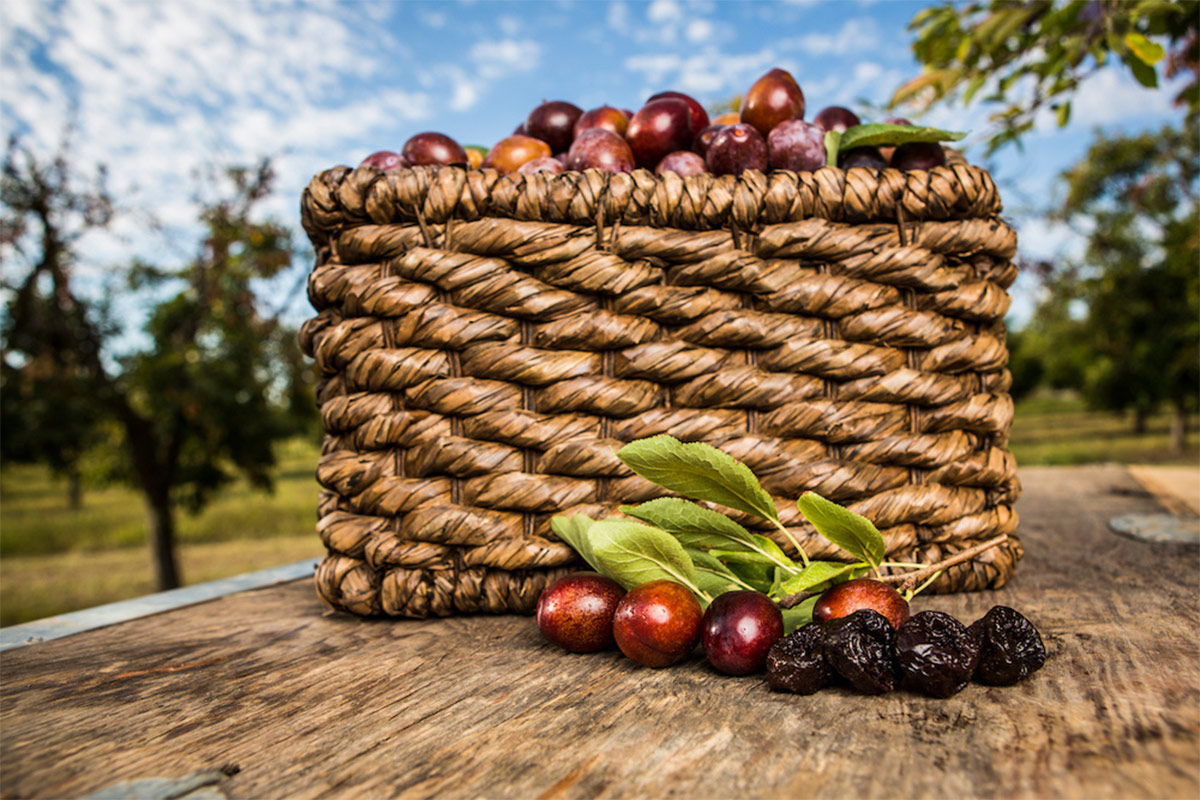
[298, 702]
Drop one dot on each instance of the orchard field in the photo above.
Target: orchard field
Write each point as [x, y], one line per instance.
[54, 559]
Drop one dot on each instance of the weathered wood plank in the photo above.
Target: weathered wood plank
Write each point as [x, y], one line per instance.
[309, 704]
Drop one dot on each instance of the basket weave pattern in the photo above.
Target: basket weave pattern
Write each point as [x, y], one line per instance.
[488, 342]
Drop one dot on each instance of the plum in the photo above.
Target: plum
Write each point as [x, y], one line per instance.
[918, 155]
[846, 598]
[550, 164]
[836, 118]
[657, 624]
[681, 162]
[796, 145]
[554, 123]
[597, 148]
[606, 117]
[703, 139]
[736, 149]
[576, 612]
[698, 116]
[433, 148]
[774, 98]
[660, 127]
[385, 160]
[867, 157]
[738, 631]
[509, 154]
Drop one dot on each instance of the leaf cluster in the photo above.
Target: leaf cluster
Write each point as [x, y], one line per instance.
[1023, 57]
[698, 546]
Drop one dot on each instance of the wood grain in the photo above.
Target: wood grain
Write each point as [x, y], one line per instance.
[311, 704]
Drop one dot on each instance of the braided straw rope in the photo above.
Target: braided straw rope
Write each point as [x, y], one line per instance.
[488, 342]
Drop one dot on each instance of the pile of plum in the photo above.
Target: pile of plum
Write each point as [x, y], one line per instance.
[861, 634]
[670, 133]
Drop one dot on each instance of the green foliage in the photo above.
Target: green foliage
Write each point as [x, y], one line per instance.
[1032, 55]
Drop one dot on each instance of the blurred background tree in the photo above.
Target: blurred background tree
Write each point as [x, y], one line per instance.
[1121, 324]
[215, 383]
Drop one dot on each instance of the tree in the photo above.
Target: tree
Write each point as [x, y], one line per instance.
[1026, 56]
[45, 413]
[200, 401]
[1140, 276]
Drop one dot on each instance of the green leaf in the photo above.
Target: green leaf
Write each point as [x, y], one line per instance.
[1143, 72]
[699, 471]
[632, 553]
[877, 134]
[1149, 52]
[833, 144]
[799, 615]
[852, 532]
[574, 531]
[693, 525]
[814, 575]
[711, 575]
[1063, 113]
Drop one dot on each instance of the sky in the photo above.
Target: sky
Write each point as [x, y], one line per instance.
[160, 90]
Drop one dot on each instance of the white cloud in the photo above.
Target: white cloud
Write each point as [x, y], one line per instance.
[496, 58]
[618, 16]
[699, 30]
[857, 35]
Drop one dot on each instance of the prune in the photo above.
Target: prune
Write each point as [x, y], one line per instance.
[936, 654]
[1009, 647]
[862, 649]
[796, 663]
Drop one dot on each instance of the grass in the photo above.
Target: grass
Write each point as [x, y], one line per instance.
[54, 559]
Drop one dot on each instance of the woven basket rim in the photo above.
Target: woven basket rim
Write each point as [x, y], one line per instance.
[344, 197]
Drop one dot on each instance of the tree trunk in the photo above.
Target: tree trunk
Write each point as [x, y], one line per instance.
[1139, 420]
[74, 489]
[1178, 427]
[162, 539]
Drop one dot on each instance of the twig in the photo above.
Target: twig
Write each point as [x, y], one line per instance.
[911, 579]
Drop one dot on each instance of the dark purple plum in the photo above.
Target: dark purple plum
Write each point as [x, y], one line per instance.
[736, 149]
[433, 148]
[836, 118]
[886, 152]
[682, 162]
[867, 157]
[384, 160]
[547, 164]
[597, 148]
[661, 126]
[796, 145]
[739, 629]
[703, 139]
[606, 117]
[919, 155]
[554, 123]
[773, 98]
[507, 155]
[699, 117]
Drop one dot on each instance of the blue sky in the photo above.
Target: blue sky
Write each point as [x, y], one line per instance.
[158, 90]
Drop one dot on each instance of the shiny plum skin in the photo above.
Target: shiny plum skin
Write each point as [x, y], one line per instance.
[697, 114]
[509, 154]
[796, 145]
[866, 157]
[886, 152]
[836, 118]
[657, 624]
[736, 149]
[703, 139]
[550, 164]
[384, 160]
[606, 117]
[430, 148]
[576, 612]
[774, 98]
[682, 162]
[918, 155]
[739, 629]
[660, 127]
[554, 123]
[597, 148]
[846, 598]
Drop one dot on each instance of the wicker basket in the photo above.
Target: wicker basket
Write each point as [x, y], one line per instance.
[487, 342]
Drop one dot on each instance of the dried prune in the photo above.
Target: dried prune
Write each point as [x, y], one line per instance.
[796, 663]
[937, 655]
[862, 649]
[1009, 647]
